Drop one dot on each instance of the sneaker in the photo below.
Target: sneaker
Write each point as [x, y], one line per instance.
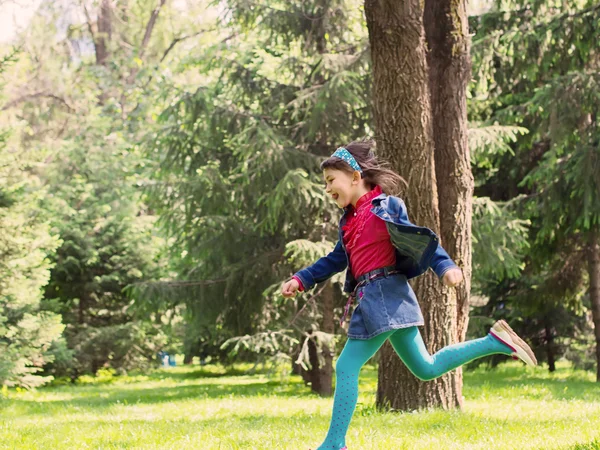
[505, 334]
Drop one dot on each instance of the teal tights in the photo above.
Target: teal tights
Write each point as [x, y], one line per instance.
[409, 345]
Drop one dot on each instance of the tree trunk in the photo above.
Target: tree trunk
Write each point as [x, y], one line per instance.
[320, 376]
[104, 34]
[327, 326]
[323, 375]
[402, 114]
[594, 272]
[449, 63]
[447, 31]
[549, 346]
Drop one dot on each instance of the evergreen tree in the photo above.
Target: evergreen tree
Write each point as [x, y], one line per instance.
[238, 181]
[86, 92]
[26, 331]
[538, 68]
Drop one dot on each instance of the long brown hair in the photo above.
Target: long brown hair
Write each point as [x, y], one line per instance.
[375, 172]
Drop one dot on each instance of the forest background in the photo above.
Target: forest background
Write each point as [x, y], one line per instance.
[159, 179]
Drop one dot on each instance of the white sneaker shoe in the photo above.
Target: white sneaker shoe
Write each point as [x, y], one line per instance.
[505, 334]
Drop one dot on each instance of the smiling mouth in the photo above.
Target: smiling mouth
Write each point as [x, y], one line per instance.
[335, 196]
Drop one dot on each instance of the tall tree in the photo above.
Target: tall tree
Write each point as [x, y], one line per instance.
[538, 68]
[404, 113]
[238, 182]
[26, 330]
[449, 63]
[90, 95]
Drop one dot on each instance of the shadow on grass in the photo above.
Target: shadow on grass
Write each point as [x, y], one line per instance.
[411, 424]
[203, 384]
[594, 445]
[563, 384]
[105, 396]
[208, 372]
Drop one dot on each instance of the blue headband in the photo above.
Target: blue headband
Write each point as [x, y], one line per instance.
[346, 156]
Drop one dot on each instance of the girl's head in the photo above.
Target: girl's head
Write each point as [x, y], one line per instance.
[345, 182]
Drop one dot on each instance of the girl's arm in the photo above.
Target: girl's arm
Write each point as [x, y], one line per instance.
[324, 268]
[441, 262]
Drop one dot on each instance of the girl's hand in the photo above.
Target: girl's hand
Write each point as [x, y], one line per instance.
[290, 288]
[452, 277]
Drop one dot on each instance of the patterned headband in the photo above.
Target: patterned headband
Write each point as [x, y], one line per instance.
[346, 156]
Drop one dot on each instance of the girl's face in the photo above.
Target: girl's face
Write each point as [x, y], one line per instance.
[341, 186]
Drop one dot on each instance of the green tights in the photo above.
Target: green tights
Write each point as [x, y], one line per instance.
[409, 345]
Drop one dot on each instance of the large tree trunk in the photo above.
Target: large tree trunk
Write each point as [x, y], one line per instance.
[594, 272]
[447, 31]
[449, 62]
[404, 135]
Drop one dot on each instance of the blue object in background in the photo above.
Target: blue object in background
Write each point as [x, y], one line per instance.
[164, 359]
[171, 359]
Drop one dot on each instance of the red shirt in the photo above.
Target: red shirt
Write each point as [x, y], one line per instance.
[366, 238]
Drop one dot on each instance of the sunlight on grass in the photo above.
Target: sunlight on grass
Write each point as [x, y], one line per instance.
[511, 407]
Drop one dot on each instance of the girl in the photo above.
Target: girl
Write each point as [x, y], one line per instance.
[382, 251]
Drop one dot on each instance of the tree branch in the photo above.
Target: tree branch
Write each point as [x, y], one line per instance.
[175, 42]
[150, 27]
[88, 19]
[529, 27]
[183, 38]
[36, 95]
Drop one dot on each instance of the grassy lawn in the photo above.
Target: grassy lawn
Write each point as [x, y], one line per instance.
[512, 407]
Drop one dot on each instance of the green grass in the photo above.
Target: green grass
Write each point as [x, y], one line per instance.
[512, 407]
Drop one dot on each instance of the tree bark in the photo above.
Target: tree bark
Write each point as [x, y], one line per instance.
[320, 376]
[104, 32]
[549, 345]
[403, 118]
[449, 62]
[150, 27]
[327, 326]
[594, 273]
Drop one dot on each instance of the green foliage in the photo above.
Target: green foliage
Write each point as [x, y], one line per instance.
[568, 176]
[499, 241]
[236, 175]
[104, 249]
[488, 143]
[79, 122]
[535, 66]
[131, 345]
[26, 332]
[272, 346]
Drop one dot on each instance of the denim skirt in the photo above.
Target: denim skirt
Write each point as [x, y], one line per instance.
[384, 303]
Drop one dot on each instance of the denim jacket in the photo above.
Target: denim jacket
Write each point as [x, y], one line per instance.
[417, 248]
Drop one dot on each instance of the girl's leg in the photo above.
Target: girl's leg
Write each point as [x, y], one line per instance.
[409, 345]
[355, 354]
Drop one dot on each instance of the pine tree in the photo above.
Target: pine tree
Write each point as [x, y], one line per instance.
[238, 184]
[538, 68]
[88, 96]
[26, 330]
